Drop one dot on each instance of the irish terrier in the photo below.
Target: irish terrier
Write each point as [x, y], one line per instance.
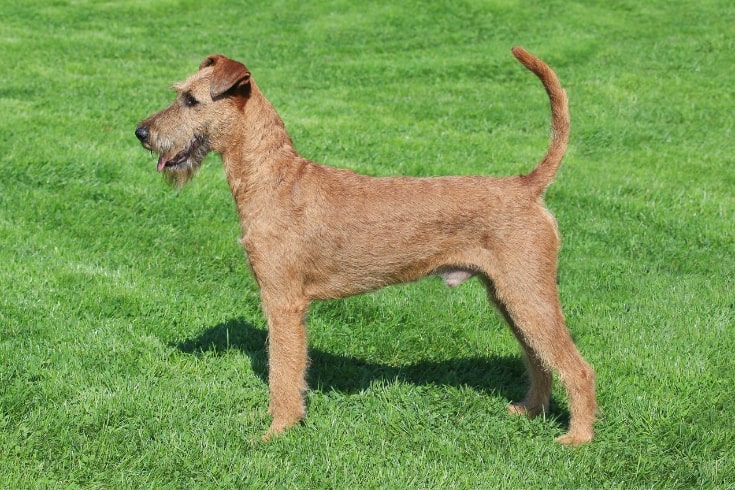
[313, 232]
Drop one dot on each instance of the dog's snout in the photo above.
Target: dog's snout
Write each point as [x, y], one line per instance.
[142, 133]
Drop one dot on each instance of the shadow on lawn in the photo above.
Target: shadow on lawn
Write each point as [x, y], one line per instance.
[500, 375]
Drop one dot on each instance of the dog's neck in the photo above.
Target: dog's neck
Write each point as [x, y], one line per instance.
[262, 160]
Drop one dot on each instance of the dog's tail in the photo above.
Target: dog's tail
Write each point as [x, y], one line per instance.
[542, 176]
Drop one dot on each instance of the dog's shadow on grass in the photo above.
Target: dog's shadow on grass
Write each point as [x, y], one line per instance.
[500, 375]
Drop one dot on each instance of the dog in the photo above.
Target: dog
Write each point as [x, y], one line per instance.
[313, 232]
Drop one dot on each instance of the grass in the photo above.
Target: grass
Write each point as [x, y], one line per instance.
[131, 340]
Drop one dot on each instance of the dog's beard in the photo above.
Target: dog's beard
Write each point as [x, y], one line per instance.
[179, 169]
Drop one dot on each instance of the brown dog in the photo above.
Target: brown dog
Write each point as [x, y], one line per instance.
[313, 232]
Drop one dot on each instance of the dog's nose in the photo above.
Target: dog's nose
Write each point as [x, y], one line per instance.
[142, 133]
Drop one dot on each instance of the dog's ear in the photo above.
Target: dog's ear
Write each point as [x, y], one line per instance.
[227, 74]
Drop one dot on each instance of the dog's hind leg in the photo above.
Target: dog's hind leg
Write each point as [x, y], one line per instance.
[529, 300]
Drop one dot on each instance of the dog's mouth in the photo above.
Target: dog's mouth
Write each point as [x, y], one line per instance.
[192, 151]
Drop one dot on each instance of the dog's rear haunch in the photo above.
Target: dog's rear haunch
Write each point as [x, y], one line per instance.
[314, 232]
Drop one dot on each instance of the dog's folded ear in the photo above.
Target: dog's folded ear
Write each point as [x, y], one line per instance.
[227, 74]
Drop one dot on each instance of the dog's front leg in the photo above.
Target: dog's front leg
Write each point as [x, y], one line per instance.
[287, 361]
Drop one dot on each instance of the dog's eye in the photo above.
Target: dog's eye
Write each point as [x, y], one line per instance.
[190, 101]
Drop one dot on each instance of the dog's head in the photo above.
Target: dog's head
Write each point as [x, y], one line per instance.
[198, 119]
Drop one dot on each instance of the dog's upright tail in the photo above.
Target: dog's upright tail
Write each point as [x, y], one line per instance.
[542, 176]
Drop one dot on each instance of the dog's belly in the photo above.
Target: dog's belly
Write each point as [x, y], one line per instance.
[357, 269]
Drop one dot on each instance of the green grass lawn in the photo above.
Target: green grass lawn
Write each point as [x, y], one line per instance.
[131, 338]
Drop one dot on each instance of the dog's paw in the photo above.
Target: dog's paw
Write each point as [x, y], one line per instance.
[280, 425]
[268, 436]
[527, 410]
[574, 438]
